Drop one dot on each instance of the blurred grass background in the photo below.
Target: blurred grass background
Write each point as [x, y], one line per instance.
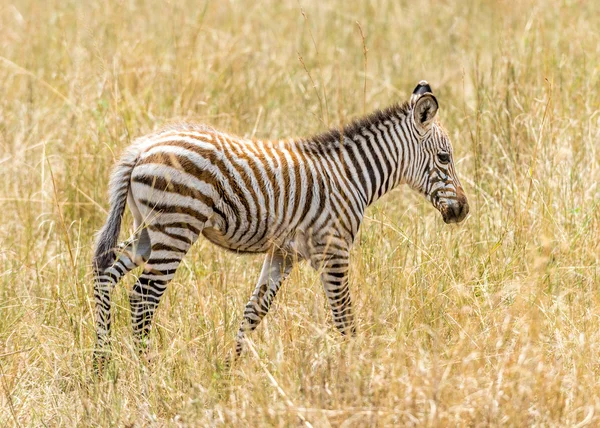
[494, 322]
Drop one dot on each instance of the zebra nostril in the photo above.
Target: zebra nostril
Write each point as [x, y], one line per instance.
[465, 209]
[457, 210]
[461, 211]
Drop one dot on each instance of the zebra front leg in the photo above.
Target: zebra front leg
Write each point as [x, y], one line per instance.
[333, 262]
[276, 268]
[105, 281]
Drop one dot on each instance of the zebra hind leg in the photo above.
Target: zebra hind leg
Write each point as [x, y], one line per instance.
[276, 268]
[129, 255]
[169, 244]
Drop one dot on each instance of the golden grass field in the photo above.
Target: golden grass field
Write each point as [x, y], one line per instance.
[492, 322]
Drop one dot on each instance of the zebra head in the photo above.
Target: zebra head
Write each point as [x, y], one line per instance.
[433, 173]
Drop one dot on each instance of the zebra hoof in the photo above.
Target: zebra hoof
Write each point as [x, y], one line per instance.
[100, 360]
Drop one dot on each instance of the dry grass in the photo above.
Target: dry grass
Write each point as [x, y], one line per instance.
[495, 322]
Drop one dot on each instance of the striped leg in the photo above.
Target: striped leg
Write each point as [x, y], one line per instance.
[333, 262]
[168, 249]
[276, 268]
[130, 256]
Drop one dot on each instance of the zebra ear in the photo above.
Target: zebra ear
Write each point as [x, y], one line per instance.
[426, 107]
[422, 88]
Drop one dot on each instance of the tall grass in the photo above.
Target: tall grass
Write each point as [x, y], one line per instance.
[494, 322]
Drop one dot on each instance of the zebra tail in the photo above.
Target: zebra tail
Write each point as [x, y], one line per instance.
[106, 241]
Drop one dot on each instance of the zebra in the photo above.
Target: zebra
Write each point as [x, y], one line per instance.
[292, 199]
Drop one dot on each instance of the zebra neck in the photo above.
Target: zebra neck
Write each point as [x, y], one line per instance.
[372, 150]
[374, 156]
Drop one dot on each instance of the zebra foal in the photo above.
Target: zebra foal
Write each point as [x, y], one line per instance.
[294, 199]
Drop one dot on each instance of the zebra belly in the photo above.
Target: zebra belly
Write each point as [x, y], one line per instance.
[217, 237]
[216, 229]
[293, 243]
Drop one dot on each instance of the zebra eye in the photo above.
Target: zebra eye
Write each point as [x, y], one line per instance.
[444, 157]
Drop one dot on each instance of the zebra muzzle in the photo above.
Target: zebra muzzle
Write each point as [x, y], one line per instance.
[455, 210]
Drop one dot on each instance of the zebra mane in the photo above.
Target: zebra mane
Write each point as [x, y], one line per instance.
[355, 125]
[330, 136]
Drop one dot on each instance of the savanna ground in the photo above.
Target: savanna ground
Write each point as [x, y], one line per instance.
[493, 322]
